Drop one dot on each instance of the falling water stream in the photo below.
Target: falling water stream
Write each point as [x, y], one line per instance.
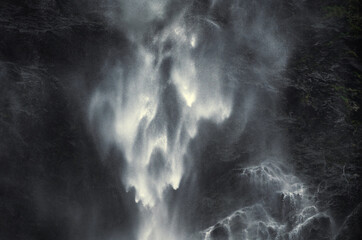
[203, 61]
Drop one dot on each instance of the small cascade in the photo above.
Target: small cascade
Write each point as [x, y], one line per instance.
[282, 209]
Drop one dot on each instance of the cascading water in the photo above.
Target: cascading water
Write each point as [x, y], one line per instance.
[192, 62]
[281, 209]
[157, 107]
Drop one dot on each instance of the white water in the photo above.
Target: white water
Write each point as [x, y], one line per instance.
[155, 148]
[282, 209]
[185, 71]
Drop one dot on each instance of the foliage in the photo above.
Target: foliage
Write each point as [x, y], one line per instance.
[346, 94]
[350, 11]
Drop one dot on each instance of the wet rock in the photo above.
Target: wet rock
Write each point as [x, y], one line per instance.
[352, 227]
[317, 227]
[238, 223]
[219, 232]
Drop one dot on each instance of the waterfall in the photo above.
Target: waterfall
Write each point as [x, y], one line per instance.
[201, 61]
[157, 106]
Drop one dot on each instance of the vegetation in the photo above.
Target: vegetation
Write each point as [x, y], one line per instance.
[350, 11]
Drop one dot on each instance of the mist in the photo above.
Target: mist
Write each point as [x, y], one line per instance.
[192, 64]
[170, 119]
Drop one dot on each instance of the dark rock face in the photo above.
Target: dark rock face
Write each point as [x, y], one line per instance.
[351, 228]
[219, 233]
[317, 228]
[323, 102]
[53, 182]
